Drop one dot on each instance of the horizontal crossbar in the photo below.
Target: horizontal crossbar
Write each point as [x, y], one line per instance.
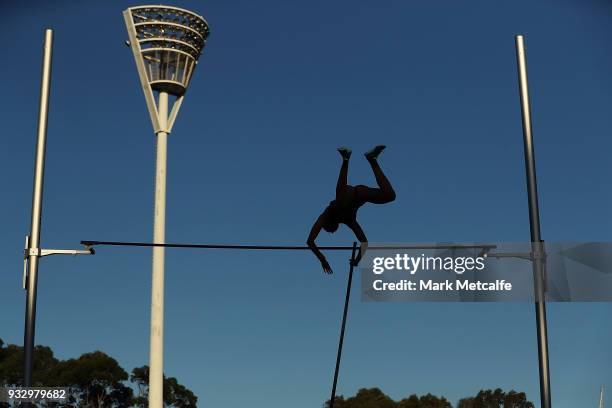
[283, 247]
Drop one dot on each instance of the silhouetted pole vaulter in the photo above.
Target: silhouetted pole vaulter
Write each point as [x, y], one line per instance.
[32, 251]
[534, 223]
[166, 43]
[343, 209]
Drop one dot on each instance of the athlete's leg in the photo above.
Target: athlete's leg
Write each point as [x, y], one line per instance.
[386, 190]
[341, 185]
[384, 193]
[365, 194]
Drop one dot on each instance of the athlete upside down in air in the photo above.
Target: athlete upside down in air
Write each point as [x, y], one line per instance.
[343, 210]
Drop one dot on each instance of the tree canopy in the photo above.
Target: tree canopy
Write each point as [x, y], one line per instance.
[375, 398]
[496, 399]
[95, 379]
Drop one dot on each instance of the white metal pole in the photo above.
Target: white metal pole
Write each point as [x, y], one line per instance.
[37, 194]
[156, 357]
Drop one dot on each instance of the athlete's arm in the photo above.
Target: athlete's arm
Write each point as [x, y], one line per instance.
[314, 232]
[356, 228]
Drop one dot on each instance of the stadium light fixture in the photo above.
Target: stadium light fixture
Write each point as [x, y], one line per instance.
[167, 43]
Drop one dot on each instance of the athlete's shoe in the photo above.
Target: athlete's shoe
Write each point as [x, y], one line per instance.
[345, 152]
[373, 154]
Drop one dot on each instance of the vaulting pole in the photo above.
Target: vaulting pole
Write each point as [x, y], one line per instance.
[534, 223]
[344, 315]
[37, 194]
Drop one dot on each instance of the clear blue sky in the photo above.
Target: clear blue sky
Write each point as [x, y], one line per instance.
[252, 160]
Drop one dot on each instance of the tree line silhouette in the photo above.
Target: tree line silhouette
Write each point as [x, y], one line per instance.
[375, 398]
[97, 380]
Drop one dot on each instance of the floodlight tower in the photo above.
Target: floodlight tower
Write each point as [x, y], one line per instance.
[166, 42]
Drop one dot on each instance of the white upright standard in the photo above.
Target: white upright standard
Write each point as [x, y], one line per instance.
[166, 42]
